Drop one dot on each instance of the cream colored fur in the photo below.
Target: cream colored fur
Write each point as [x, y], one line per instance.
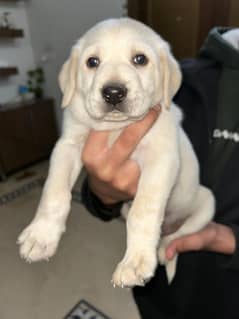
[169, 188]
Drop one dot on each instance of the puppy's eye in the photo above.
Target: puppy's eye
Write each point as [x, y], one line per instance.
[93, 62]
[140, 59]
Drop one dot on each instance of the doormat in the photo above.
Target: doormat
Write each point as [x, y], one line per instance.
[84, 310]
[26, 188]
[22, 190]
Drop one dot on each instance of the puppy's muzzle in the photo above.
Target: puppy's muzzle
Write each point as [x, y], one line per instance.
[114, 93]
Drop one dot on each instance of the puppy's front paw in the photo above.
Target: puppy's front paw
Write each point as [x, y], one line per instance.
[39, 240]
[135, 270]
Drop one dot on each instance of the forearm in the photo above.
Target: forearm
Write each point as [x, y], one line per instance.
[224, 240]
[219, 238]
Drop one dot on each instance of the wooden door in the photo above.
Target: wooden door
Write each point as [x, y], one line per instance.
[234, 13]
[185, 23]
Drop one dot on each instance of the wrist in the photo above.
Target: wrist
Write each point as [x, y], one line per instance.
[224, 241]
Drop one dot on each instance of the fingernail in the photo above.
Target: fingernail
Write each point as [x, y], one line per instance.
[170, 254]
[157, 108]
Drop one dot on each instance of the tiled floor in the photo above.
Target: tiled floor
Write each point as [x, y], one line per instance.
[81, 269]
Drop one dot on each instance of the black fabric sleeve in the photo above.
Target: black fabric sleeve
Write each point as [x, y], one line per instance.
[96, 207]
[233, 260]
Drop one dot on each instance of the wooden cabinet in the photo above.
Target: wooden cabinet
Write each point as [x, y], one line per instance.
[28, 133]
[185, 23]
[7, 71]
[7, 33]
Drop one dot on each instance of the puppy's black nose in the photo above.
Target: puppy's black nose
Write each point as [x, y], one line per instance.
[114, 93]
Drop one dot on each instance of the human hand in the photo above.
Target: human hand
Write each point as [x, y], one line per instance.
[113, 176]
[214, 237]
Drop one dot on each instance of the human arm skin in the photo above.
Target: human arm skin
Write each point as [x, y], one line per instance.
[214, 237]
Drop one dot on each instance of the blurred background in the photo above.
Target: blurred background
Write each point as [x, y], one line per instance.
[35, 39]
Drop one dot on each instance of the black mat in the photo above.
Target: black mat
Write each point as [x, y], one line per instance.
[84, 310]
[27, 187]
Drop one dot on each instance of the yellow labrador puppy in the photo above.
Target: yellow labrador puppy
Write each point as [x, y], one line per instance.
[116, 72]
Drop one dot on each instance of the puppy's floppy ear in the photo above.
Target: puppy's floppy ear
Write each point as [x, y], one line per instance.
[68, 77]
[171, 77]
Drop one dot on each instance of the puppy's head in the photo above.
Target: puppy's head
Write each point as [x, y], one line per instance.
[119, 69]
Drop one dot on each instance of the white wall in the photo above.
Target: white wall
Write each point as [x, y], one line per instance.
[16, 52]
[50, 27]
[55, 26]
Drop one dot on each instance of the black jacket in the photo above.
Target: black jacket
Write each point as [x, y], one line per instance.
[206, 284]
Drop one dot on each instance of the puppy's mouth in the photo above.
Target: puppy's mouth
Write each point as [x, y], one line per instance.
[120, 113]
[115, 116]
[118, 116]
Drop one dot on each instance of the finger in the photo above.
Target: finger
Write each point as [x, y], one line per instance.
[127, 177]
[130, 137]
[96, 142]
[186, 243]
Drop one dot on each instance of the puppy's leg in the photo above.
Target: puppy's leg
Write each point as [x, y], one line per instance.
[145, 220]
[125, 210]
[40, 239]
[202, 213]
